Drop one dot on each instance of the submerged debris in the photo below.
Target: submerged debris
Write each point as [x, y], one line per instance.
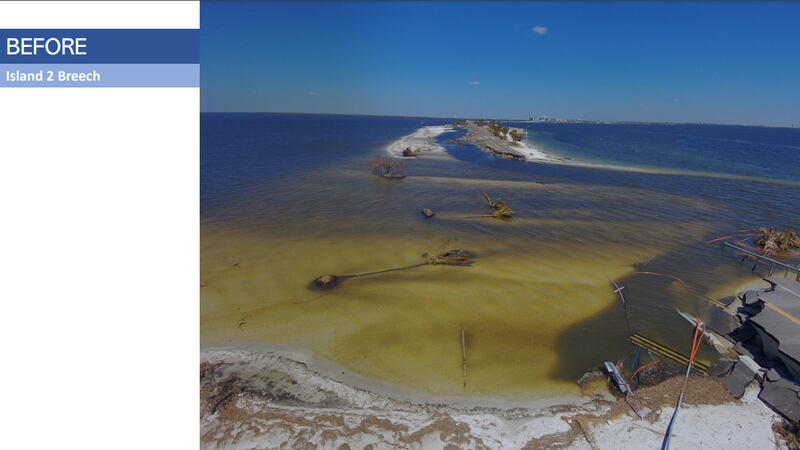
[448, 258]
[499, 208]
[464, 359]
[774, 241]
[655, 372]
[387, 167]
[327, 281]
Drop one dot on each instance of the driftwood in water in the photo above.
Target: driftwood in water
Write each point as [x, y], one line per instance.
[464, 358]
[774, 241]
[428, 213]
[499, 208]
[449, 258]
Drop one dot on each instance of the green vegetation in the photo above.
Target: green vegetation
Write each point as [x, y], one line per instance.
[497, 129]
[502, 131]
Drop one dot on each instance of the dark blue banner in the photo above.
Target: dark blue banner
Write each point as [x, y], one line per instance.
[100, 46]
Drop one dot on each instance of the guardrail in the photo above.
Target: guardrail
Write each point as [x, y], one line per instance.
[765, 260]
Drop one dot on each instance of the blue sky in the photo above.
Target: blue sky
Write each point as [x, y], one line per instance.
[688, 62]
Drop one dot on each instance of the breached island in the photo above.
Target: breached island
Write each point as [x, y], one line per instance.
[502, 141]
[420, 142]
[491, 137]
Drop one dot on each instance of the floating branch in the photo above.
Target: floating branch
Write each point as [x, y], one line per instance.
[447, 258]
[464, 358]
[499, 208]
[450, 258]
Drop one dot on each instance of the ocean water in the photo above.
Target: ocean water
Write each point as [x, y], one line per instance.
[758, 152]
[287, 198]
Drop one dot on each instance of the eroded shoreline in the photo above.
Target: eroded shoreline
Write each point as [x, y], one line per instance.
[420, 142]
[423, 143]
[505, 147]
[279, 396]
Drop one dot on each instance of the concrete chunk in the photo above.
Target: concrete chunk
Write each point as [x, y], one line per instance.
[750, 297]
[772, 375]
[721, 368]
[781, 395]
[744, 371]
[722, 322]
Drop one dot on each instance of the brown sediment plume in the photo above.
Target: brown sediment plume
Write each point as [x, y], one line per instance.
[448, 258]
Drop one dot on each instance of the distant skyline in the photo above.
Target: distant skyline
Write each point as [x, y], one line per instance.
[733, 63]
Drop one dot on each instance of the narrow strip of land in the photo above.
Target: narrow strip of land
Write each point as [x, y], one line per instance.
[503, 141]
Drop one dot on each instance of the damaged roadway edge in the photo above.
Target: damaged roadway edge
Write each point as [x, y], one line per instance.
[764, 324]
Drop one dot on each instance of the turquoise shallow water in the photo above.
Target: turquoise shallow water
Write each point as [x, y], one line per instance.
[286, 198]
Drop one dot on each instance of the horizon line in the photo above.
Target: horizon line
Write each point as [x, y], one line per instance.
[562, 120]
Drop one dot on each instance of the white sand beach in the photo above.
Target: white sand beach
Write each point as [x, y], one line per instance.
[420, 142]
[284, 397]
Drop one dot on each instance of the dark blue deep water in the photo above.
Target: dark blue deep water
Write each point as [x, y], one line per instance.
[771, 153]
[242, 150]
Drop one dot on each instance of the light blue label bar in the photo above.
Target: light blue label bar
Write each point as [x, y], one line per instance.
[99, 75]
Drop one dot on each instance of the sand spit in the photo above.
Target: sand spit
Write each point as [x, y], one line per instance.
[423, 143]
[282, 397]
[483, 138]
[420, 142]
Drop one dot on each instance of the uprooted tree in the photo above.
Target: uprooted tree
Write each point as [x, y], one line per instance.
[453, 257]
[774, 241]
[499, 208]
[387, 167]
